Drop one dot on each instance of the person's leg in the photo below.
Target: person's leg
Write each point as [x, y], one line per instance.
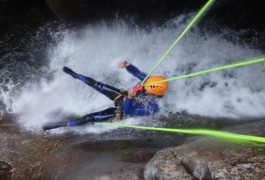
[107, 90]
[91, 118]
[54, 125]
[104, 115]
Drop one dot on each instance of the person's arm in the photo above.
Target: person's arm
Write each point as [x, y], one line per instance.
[132, 70]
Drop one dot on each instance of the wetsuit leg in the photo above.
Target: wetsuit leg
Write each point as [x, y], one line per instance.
[107, 90]
[93, 117]
[107, 114]
[54, 125]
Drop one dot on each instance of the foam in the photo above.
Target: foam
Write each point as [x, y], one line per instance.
[96, 50]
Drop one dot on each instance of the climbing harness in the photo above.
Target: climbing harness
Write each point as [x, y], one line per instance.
[119, 101]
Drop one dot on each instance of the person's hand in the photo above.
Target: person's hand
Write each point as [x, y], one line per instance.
[123, 64]
[131, 94]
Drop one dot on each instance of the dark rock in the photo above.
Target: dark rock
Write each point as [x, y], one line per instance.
[236, 13]
[208, 158]
[177, 163]
[68, 156]
[241, 16]
[90, 10]
[5, 171]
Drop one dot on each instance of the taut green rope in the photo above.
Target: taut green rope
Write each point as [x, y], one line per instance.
[218, 134]
[239, 64]
[195, 19]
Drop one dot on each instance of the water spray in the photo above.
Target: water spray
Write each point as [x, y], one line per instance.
[235, 65]
[190, 25]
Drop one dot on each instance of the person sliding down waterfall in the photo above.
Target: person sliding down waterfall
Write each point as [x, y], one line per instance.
[137, 101]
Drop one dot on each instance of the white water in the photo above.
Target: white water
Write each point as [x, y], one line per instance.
[96, 50]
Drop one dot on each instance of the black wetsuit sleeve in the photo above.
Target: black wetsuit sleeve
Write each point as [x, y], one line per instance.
[136, 72]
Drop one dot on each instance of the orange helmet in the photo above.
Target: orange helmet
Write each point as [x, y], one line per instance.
[158, 89]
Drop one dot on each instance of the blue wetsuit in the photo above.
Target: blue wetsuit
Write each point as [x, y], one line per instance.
[123, 105]
[148, 108]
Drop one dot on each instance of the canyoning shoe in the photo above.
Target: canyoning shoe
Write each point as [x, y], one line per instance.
[70, 72]
[55, 125]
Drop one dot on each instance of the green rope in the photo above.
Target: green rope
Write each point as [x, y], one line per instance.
[195, 19]
[218, 134]
[239, 64]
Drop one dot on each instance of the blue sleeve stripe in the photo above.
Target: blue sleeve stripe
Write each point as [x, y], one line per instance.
[100, 116]
[82, 78]
[71, 123]
[103, 87]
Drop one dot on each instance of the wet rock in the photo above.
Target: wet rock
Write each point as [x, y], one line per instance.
[82, 10]
[242, 16]
[110, 156]
[128, 171]
[175, 163]
[25, 151]
[205, 160]
[91, 10]
[237, 13]
[69, 156]
[5, 171]
[209, 158]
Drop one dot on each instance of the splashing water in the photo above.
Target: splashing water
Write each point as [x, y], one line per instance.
[96, 50]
